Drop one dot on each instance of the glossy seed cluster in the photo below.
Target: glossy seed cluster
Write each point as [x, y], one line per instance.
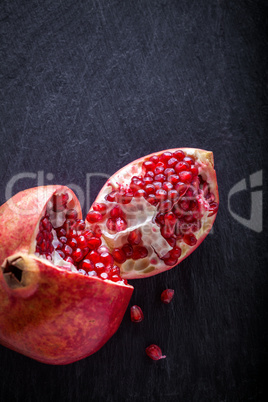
[77, 245]
[171, 182]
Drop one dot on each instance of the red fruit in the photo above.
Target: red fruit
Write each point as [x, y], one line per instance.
[167, 296]
[154, 352]
[136, 314]
[134, 237]
[184, 185]
[56, 314]
[94, 216]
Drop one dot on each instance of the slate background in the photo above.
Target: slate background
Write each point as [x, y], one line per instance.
[88, 86]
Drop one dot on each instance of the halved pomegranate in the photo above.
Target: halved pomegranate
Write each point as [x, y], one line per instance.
[61, 295]
[156, 211]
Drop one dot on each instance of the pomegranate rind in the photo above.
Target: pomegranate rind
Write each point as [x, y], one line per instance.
[57, 316]
[20, 216]
[147, 267]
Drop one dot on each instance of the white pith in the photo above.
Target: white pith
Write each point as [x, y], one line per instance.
[152, 239]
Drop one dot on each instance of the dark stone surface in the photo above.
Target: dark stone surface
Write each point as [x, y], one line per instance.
[88, 86]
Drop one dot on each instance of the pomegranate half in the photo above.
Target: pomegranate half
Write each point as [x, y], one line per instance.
[156, 211]
[54, 307]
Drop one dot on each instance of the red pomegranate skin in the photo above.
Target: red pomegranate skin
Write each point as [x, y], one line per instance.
[48, 313]
[61, 316]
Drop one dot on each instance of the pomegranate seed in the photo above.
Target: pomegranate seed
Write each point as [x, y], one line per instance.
[115, 278]
[59, 246]
[165, 156]
[128, 250]
[136, 314]
[59, 202]
[88, 234]
[152, 199]
[120, 224]
[61, 253]
[171, 162]
[140, 193]
[190, 239]
[148, 180]
[63, 239]
[213, 207]
[194, 170]
[82, 242]
[149, 174]
[67, 250]
[111, 225]
[185, 177]
[170, 218]
[125, 197]
[136, 185]
[154, 352]
[167, 186]
[81, 271]
[157, 185]
[94, 243]
[94, 256]
[149, 188]
[179, 155]
[71, 214]
[167, 231]
[161, 194]
[139, 252]
[173, 179]
[167, 296]
[181, 166]
[154, 159]
[169, 172]
[134, 237]
[184, 204]
[148, 165]
[160, 177]
[189, 160]
[103, 249]
[94, 216]
[92, 273]
[111, 196]
[115, 270]
[87, 265]
[77, 255]
[119, 255]
[165, 206]
[160, 218]
[100, 207]
[39, 238]
[103, 275]
[181, 188]
[173, 195]
[72, 232]
[79, 225]
[107, 259]
[170, 261]
[99, 267]
[97, 231]
[116, 212]
[159, 169]
[175, 252]
[172, 241]
[61, 232]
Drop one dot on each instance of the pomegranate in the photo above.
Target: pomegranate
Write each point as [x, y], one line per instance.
[157, 210]
[62, 296]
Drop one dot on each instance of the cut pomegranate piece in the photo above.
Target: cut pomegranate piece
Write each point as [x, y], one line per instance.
[179, 184]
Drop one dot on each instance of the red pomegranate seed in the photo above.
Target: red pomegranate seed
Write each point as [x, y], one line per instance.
[173, 195]
[59, 202]
[87, 265]
[154, 352]
[152, 199]
[115, 270]
[139, 252]
[94, 243]
[169, 172]
[134, 237]
[128, 250]
[88, 234]
[116, 211]
[94, 216]
[120, 224]
[165, 156]
[71, 214]
[157, 185]
[136, 314]
[85, 251]
[82, 242]
[140, 193]
[160, 177]
[167, 231]
[213, 208]
[181, 188]
[149, 188]
[72, 242]
[179, 155]
[181, 166]
[190, 239]
[170, 218]
[175, 252]
[115, 278]
[159, 169]
[148, 165]
[100, 207]
[167, 186]
[67, 250]
[172, 241]
[194, 170]
[173, 179]
[160, 218]
[165, 206]
[92, 273]
[170, 261]
[103, 275]
[94, 256]
[63, 239]
[103, 249]
[167, 296]
[111, 196]
[148, 180]
[99, 267]
[125, 197]
[107, 259]
[154, 159]
[111, 225]
[61, 253]
[161, 194]
[77, 255]
[119, 255]
[189, 160]
[171, 162]
[61, 232]
[69, 259]
[149, 174]
[185, 177]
